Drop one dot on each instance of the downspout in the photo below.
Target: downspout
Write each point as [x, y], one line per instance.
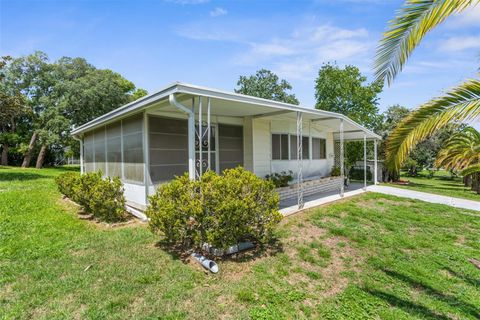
[191, 133]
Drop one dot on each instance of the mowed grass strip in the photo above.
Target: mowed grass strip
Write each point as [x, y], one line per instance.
[372, 256]
[442, 183]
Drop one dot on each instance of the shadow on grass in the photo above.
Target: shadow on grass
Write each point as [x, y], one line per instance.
[178, 252]
[436, 294]
[407, 306]
[20, 176]
[471, 281]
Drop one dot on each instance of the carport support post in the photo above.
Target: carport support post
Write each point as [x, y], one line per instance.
[342, 160]
[375, 178]
[299, 159]
[191, 142]
[364, 162]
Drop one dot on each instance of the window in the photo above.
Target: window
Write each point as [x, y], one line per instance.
[280, 146]
[319, 148]
[293, 148]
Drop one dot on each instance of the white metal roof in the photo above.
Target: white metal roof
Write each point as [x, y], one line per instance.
[252, 106]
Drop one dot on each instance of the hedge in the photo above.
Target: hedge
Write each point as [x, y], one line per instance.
[102, 197]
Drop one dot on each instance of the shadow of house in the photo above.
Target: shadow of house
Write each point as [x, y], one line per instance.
[407, 306]
[436, 294]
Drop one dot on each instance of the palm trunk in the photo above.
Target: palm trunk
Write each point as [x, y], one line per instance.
[4, 160]
[41, 156]
[28, 155]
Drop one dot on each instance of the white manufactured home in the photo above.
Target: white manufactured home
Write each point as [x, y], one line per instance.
[187, 128]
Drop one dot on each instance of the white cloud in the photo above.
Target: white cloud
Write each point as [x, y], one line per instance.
[218, 12]
[469, 17]
[306, 49]
[460, 43]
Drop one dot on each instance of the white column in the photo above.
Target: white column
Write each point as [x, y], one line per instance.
[299, 159]
[191, 142]
[365, 162]
[200, 138]
[82, 169]
[208, 134]
[375, 166]
[342, 160]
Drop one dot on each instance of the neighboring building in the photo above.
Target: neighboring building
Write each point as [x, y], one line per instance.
[155, 138]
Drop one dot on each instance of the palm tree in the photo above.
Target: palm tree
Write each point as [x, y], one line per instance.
[462, 153]
[460, 104]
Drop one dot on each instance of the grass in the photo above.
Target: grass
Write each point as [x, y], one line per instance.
[372, 256]
[441, 183]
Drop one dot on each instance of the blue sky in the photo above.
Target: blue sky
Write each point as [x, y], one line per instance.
[212, 43]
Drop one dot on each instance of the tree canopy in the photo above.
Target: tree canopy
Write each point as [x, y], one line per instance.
[344, 90]
[57, 96]
[266, 84]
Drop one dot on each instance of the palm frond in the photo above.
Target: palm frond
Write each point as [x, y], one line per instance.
[459, 105]
[470, 170]
[461, 150]
[407, 29]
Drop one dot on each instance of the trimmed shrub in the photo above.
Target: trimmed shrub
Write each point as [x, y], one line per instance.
[103, 198]
[335, 172]
[107, 201]
[83, 189]
[221, 210]
[358, 174]
[66, 181]
[281, 179]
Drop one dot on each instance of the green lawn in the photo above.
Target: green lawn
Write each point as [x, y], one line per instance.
[371, 256]
[441, 183]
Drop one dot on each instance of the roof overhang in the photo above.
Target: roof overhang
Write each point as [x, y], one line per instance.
[235, 105]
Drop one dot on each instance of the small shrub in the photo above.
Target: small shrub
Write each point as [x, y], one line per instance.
[103, 198]
[281, 179]
[358, 174]
[220, 210]
[335, 172]
[83, 189]
[66, 182]
[107, 201]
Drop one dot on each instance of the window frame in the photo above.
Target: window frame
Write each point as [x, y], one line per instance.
[306, 151]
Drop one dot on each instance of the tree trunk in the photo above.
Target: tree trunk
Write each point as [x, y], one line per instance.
[41, 156]
[4, 160]
[467, 180]
[28, 155]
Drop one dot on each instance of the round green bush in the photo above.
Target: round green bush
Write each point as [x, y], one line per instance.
[66, 181]
[221, 210]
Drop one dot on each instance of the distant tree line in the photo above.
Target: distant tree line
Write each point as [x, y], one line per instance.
[41, 101]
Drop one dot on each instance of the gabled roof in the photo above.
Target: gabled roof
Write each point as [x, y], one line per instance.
[193, 90]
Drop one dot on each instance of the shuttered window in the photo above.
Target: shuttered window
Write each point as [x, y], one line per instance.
[280, 146]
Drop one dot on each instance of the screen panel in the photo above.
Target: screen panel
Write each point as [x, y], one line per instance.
[168, 143]
[114, 149]
[230, 145]
[88, 152]
[99, 145]
[132, 134]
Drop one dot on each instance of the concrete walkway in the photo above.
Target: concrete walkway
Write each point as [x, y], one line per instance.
[427, 197]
